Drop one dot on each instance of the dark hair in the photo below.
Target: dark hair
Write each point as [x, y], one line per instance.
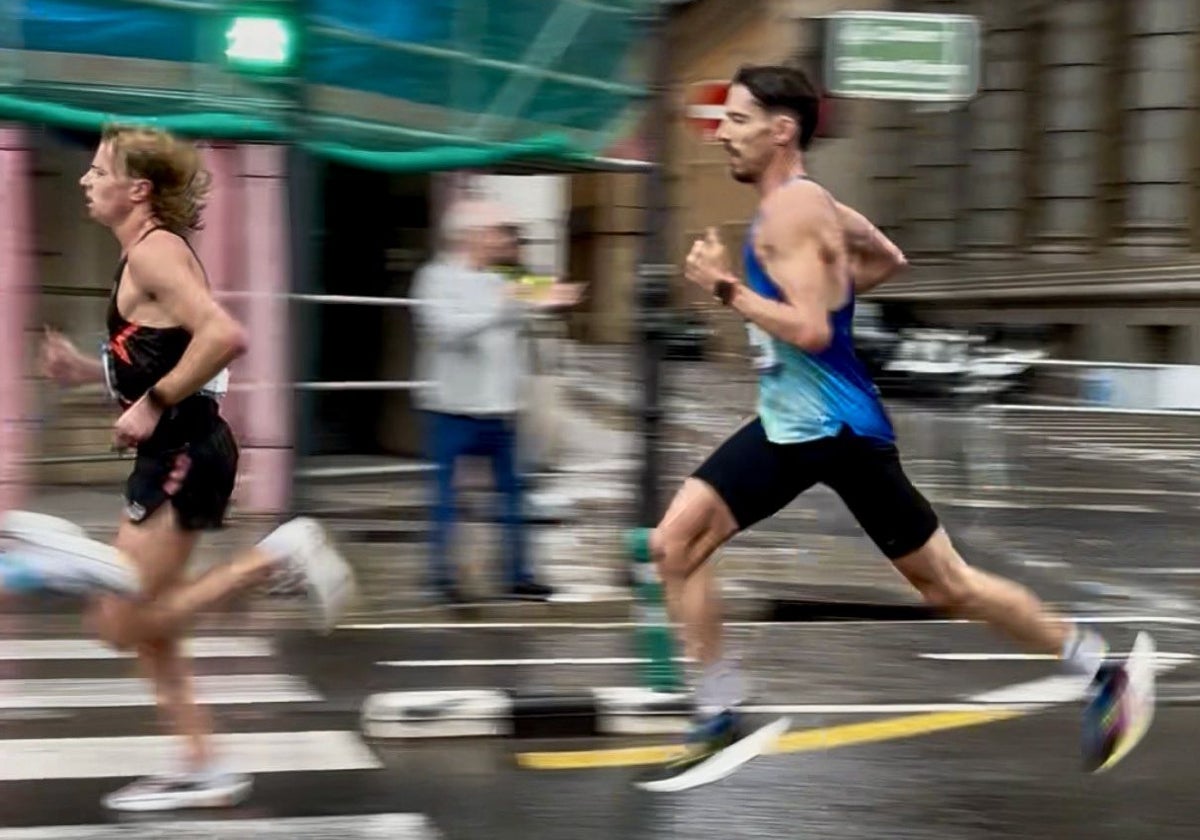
[786, 89]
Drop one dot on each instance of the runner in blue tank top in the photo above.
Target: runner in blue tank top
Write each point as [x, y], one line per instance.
[820, 420]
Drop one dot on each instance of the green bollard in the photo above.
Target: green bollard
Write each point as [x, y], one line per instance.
[660, 672]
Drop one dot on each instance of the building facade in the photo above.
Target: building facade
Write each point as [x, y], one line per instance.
[1065, 197]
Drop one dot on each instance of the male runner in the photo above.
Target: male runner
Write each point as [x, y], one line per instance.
[820, 420]
[169, 343]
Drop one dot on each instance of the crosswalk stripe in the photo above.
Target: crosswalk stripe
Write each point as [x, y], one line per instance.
[1161, 656]
[356, 827]
[486, 663]
[220, 689]
[146, 755]
[119, 739]
[205, 647]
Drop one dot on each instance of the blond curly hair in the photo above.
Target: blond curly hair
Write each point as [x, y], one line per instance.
[179, 184]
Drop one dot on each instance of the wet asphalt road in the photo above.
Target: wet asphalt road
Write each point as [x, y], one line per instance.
[1104, 538]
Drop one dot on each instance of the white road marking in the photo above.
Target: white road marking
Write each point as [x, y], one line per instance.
[204, 647]
[221, 689]
[1139, 618]
[1162, 656]
[484, 663]
[143, 755]
[355, 827]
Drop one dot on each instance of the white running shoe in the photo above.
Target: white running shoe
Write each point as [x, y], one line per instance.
[312, 559]
[48, 553]
[17, 522]
[175, 792]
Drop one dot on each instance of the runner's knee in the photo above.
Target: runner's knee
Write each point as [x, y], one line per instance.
[943, 578]
[113, 620]
[678, 552]
[955, 591]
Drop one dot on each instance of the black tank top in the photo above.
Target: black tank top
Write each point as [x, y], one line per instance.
[138, 356]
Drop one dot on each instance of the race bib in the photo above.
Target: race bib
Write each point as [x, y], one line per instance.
[762, 349]
[218, 386]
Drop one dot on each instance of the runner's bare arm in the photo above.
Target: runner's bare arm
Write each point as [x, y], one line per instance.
[873, 257]
[164, 269]
[62, 361]
[793, 255]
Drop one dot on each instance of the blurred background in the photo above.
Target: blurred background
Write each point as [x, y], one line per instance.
[1040, 176]
[1036, 160]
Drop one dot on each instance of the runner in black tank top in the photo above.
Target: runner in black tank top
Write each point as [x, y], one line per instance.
[164, 361]
[192, 457]
[140, 355]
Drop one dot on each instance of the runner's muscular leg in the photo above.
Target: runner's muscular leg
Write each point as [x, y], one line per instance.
[696, 524]
[946, 581]
[161, 552]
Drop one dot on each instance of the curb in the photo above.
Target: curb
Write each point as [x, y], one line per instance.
[516, 714]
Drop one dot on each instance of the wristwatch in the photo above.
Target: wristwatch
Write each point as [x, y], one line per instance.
[723, 291]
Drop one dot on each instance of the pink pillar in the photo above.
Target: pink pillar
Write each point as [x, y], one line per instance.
[219, 245]
[16, 283]
[266, 268]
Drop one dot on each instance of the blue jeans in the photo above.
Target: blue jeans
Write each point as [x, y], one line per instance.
[454, 435]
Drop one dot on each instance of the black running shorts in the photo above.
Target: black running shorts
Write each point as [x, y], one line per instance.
[194, 443]
[757, 478]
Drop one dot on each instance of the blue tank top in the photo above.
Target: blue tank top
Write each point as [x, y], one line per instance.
[806, 396]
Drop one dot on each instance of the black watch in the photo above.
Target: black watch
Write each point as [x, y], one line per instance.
[723, 291]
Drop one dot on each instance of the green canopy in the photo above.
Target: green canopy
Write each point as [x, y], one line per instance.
[400, 85]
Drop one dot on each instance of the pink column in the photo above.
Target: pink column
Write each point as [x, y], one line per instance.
[16, 282]
[219, 245]
[266, 269]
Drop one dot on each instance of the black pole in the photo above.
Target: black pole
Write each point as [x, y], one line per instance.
[306, 174]
[655, 270]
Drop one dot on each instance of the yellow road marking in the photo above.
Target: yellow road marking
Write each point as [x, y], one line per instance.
[805, 740]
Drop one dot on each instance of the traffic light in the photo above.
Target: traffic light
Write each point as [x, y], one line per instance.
[261, 42]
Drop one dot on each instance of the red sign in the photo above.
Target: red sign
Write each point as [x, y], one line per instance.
[704, 107]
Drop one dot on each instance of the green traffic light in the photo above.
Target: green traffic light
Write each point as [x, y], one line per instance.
[259, 43]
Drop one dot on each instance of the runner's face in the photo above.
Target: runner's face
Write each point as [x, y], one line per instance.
[748, 134]
[108, 194]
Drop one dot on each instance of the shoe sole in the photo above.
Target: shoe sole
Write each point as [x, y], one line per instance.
[226, 798]
[724, 763]
[1140, 668]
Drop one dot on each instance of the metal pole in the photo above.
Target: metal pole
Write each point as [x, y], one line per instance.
[655, 270]
[655, 642]
[306, 174]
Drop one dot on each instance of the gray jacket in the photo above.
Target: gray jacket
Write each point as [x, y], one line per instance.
[469, 340]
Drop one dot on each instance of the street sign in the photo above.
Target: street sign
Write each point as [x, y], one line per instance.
[704, 107]
[893, 55]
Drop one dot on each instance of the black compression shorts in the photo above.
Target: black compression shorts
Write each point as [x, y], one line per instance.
[757, 478]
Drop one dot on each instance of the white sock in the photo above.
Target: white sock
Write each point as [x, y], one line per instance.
[210, 772]
[1084, 651]
[720, 687]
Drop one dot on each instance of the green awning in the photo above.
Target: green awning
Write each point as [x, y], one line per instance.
[399, 85]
